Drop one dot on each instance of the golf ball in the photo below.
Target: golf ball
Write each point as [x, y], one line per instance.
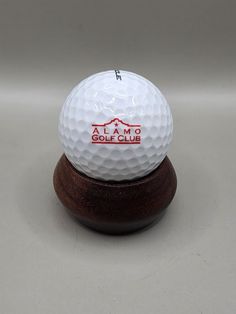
[115, 125]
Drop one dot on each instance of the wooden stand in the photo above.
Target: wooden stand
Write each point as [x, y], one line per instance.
[115, 207]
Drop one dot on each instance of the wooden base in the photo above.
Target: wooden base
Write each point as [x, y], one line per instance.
[112, 207]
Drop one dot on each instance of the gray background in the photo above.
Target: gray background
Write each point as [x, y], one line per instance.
[186, 263]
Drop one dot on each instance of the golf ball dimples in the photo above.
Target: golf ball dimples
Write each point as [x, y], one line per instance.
[115, 125]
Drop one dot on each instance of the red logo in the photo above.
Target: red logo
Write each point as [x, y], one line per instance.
[116, 132]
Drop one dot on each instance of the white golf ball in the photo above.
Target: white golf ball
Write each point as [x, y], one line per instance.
[115, 125]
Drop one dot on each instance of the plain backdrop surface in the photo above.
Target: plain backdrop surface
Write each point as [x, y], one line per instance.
[187, 262]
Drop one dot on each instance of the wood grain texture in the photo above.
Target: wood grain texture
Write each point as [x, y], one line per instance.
[113, 207]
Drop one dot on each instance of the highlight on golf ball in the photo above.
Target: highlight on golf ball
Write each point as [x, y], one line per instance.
[115, 125]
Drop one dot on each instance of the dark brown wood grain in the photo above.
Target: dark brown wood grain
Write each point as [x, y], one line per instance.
[113, 207]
